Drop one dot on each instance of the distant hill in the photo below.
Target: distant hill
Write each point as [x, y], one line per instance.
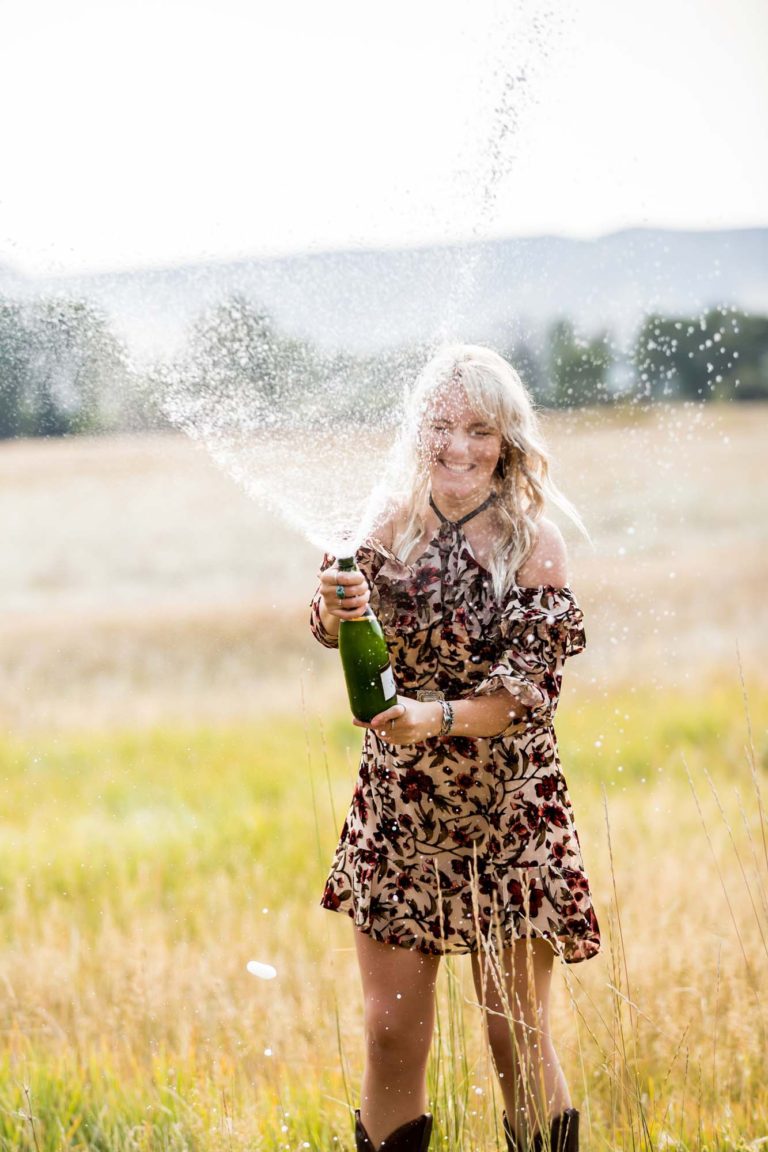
[365, 300]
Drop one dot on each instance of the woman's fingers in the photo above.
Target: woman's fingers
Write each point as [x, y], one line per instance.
[352, 583]
[349, 581]
[345, 593]
[393, 713]
[381, 720]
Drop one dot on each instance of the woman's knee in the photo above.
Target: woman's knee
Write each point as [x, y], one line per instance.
[397, 1035]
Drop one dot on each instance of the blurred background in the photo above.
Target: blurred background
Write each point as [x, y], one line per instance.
[229, 235]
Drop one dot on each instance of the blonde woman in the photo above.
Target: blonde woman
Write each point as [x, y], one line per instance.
[460, 835]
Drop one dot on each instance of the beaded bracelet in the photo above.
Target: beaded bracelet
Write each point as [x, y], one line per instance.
[447, 724]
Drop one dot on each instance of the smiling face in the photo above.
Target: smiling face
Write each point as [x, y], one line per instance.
[461, 449]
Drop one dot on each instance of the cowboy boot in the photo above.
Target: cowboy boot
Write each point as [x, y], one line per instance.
[512, 1144]
[411, 1137]
[564, 1133]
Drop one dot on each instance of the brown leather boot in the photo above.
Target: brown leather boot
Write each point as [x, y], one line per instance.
[411, 1137]
[564, 1133]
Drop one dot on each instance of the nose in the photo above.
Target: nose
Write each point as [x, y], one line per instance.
[456, 443]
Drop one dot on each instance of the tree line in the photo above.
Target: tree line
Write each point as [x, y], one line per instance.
[63, 371]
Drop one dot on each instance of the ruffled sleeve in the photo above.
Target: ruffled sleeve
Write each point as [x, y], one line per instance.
[368, 561]
[540, 627]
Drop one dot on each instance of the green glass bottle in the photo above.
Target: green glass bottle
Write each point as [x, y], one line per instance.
[365, 660]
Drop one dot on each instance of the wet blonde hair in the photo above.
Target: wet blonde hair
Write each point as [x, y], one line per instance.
[521, 480]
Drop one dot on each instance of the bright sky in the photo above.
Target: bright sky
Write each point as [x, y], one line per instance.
[146, 132]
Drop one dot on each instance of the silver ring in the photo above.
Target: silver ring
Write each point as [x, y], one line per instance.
[340, 593]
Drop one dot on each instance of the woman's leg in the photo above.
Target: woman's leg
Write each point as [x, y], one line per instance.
[399, 994]
[514, 990]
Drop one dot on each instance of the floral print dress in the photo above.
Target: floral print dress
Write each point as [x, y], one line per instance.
[453, 839]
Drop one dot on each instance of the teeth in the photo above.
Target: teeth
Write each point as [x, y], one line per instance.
[456, 467]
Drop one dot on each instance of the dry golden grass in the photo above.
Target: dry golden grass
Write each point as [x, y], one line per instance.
[140, 871]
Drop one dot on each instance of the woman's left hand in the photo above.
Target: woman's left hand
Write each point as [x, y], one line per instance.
[407, 722]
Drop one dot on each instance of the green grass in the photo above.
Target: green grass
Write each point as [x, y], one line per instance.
[140, 871]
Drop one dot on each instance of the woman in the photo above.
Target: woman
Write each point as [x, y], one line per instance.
[460, 835]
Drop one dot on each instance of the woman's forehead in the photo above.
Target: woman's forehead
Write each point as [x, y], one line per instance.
[452, 403]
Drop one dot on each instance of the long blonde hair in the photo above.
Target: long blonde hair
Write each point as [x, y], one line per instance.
[521, 481]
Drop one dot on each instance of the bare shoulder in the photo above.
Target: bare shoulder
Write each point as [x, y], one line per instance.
[548, 561]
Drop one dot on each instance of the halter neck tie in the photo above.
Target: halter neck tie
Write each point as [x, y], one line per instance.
[469, 516]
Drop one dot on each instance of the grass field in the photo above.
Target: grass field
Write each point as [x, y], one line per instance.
[176, 763]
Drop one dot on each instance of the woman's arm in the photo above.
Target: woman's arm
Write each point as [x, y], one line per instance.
[477, 717]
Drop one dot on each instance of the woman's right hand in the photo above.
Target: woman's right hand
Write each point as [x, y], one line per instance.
[356, 593]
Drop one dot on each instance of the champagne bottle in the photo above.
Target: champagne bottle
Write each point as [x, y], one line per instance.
[365, 660]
